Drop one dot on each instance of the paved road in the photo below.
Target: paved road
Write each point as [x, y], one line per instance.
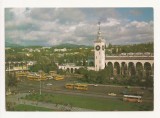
[99, 91]
[82, 93]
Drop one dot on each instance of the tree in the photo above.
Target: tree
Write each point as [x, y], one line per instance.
[11, 80]
[110, 45]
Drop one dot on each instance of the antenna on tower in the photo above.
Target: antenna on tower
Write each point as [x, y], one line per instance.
[99, 23]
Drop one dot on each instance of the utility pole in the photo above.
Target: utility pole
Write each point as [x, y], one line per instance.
[40, 86]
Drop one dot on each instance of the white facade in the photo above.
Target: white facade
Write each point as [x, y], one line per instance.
[99, 52]
[60, 50]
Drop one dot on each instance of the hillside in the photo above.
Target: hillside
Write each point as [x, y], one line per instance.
[12, 45]
[68, 45]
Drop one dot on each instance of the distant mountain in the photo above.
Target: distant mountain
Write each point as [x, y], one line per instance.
[12, 45]
[68, 45]
[65, 45]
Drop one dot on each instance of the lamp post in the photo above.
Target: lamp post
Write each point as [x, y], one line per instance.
[87, 63]
[40, 86]
[9, 67]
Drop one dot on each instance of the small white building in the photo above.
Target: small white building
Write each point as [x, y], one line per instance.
[31, 63]
[60, 50]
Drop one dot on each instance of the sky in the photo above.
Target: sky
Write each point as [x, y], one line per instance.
[54, 26]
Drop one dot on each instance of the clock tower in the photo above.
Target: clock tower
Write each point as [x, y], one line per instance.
[99, 51]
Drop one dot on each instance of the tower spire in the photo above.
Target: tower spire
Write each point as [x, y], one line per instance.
[99, 23]
[99, 38]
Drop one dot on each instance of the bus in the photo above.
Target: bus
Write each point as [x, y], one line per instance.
[32, 76]
[58, 78]
[36, 77]
[52, 73]
[79, 86]
[132, 98]
[21, 74]
[69, 86]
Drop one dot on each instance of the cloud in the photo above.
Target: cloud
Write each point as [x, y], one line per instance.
[111, 22]
[131, 32]
[47, 26]
[61, 15]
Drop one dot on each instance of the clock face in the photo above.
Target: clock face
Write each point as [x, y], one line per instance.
[97, 47]
[103, 47]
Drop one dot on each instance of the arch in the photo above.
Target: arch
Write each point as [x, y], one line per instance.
[147, 69]
[124, 68]
[67, 70]
[110, 66]
[72, 70]
[116, 68]
[131, 69]
[109, 63]
[76, 70]
[139, 70]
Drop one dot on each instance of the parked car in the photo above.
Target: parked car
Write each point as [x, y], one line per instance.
[49, 84]
[95, 85]
[112, 94]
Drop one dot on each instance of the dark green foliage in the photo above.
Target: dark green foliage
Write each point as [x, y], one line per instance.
[11, 80]
[44, 67]
[106, 77]
[146, 47]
